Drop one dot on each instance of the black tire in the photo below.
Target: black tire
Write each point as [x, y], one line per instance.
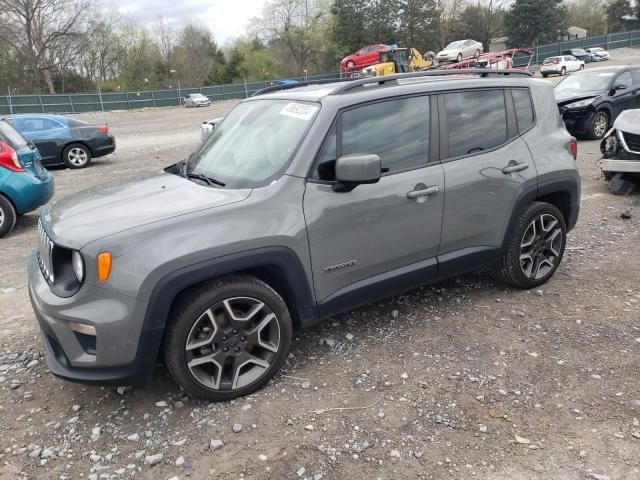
[190, 311]
[563, 71]
[511, 269]
[459, 58]
[545, 75]
[581, 67]
[76, 156]
[8, 216]
[598, 125]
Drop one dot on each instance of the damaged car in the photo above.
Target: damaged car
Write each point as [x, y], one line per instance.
[591, 100]
[620, 162]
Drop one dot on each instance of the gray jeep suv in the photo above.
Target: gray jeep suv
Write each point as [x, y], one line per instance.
[303, 203]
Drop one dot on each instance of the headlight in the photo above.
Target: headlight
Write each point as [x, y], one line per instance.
[581, 103]
[78, 265]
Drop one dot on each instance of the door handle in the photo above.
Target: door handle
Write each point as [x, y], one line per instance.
[514, 166]
[423, 193]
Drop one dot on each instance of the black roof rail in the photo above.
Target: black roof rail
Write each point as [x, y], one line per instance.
[287, 86]
[483, 72]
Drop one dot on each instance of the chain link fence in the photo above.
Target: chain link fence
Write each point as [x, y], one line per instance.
[94, 102]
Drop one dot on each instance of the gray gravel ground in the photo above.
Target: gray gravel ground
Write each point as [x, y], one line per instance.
[461, 379]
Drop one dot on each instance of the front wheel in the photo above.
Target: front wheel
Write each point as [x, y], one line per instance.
[536, 247]
[7, 216]
[597, 125]
[76, 155]
[227, 338]
[459, 58]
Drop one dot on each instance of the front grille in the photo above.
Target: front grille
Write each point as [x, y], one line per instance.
[45, 253]
[632, 141]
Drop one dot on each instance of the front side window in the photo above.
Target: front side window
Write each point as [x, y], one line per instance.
[624, 79]
[396, 130]
[255, 142]
[476, 121]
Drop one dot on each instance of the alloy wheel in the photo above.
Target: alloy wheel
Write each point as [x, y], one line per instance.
[600, 125]
[541, 246]
[77, 156]
[233, 343]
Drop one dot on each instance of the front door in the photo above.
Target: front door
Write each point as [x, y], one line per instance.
[486, 166]
[376, 229]
[626, 98]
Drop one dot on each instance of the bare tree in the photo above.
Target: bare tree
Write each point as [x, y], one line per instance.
[165, 36]
[100, 55]
[297, 24]
[32, 28]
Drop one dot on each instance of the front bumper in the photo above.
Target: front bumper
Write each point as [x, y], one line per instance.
[615, 165]
[122, 353]
[576, 121]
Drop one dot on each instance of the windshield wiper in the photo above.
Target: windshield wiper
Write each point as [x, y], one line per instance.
[203, 178]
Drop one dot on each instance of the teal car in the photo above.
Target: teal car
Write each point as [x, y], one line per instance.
[25, 184]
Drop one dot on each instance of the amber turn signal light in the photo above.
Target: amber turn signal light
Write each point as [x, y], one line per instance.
[104, 266]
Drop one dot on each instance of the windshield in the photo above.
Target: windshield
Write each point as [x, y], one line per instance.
[254, 143]
[457, 44]
[585, 82]
[11, 136]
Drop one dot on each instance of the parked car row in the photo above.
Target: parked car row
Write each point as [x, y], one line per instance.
[30, 142]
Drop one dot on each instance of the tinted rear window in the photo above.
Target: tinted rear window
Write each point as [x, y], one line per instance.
[476, 121]
[11, 136]
[550, 59]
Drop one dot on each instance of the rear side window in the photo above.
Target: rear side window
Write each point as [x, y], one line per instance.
[524, 109]
[397, 130]
[635, 74]
[476, 121]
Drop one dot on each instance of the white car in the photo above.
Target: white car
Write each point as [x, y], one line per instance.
[207, 128]
[598, 54]
[196, 100]
[460, 49]
[561, 65]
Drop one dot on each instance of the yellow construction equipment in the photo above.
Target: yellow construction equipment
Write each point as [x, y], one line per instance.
[398, 60]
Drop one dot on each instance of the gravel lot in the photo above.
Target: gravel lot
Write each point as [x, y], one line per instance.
[460, 379]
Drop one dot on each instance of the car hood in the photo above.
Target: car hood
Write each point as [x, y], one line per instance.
[573, 96]
[83, 217]
[628, 122]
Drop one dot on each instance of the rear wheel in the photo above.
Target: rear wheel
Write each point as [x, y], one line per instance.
[545, 75]
[563, 71]
[536, 248]
[76, 155]
[7, 216]
[227, 338]
[598, 124]
[581, 67]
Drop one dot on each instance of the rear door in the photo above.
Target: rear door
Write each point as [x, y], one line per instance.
[374, 230]
[486, 167]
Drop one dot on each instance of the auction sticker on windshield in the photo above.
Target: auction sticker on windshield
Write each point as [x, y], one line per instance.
[301, 111]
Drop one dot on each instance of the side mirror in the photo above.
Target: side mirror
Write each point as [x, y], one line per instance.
[352, 170]
[616, 87]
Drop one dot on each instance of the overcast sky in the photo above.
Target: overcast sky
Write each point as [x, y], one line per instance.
[225, 18]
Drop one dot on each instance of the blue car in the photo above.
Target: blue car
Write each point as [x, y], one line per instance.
[25, 184]
[65, 141]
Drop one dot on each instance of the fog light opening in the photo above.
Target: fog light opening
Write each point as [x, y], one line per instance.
[83, 328]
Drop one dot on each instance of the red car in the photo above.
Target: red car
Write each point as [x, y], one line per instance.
[363, 58]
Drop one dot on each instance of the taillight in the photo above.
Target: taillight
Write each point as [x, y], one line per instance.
[556, 62]
[9, 158]
[574, 148]
[104, 128]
